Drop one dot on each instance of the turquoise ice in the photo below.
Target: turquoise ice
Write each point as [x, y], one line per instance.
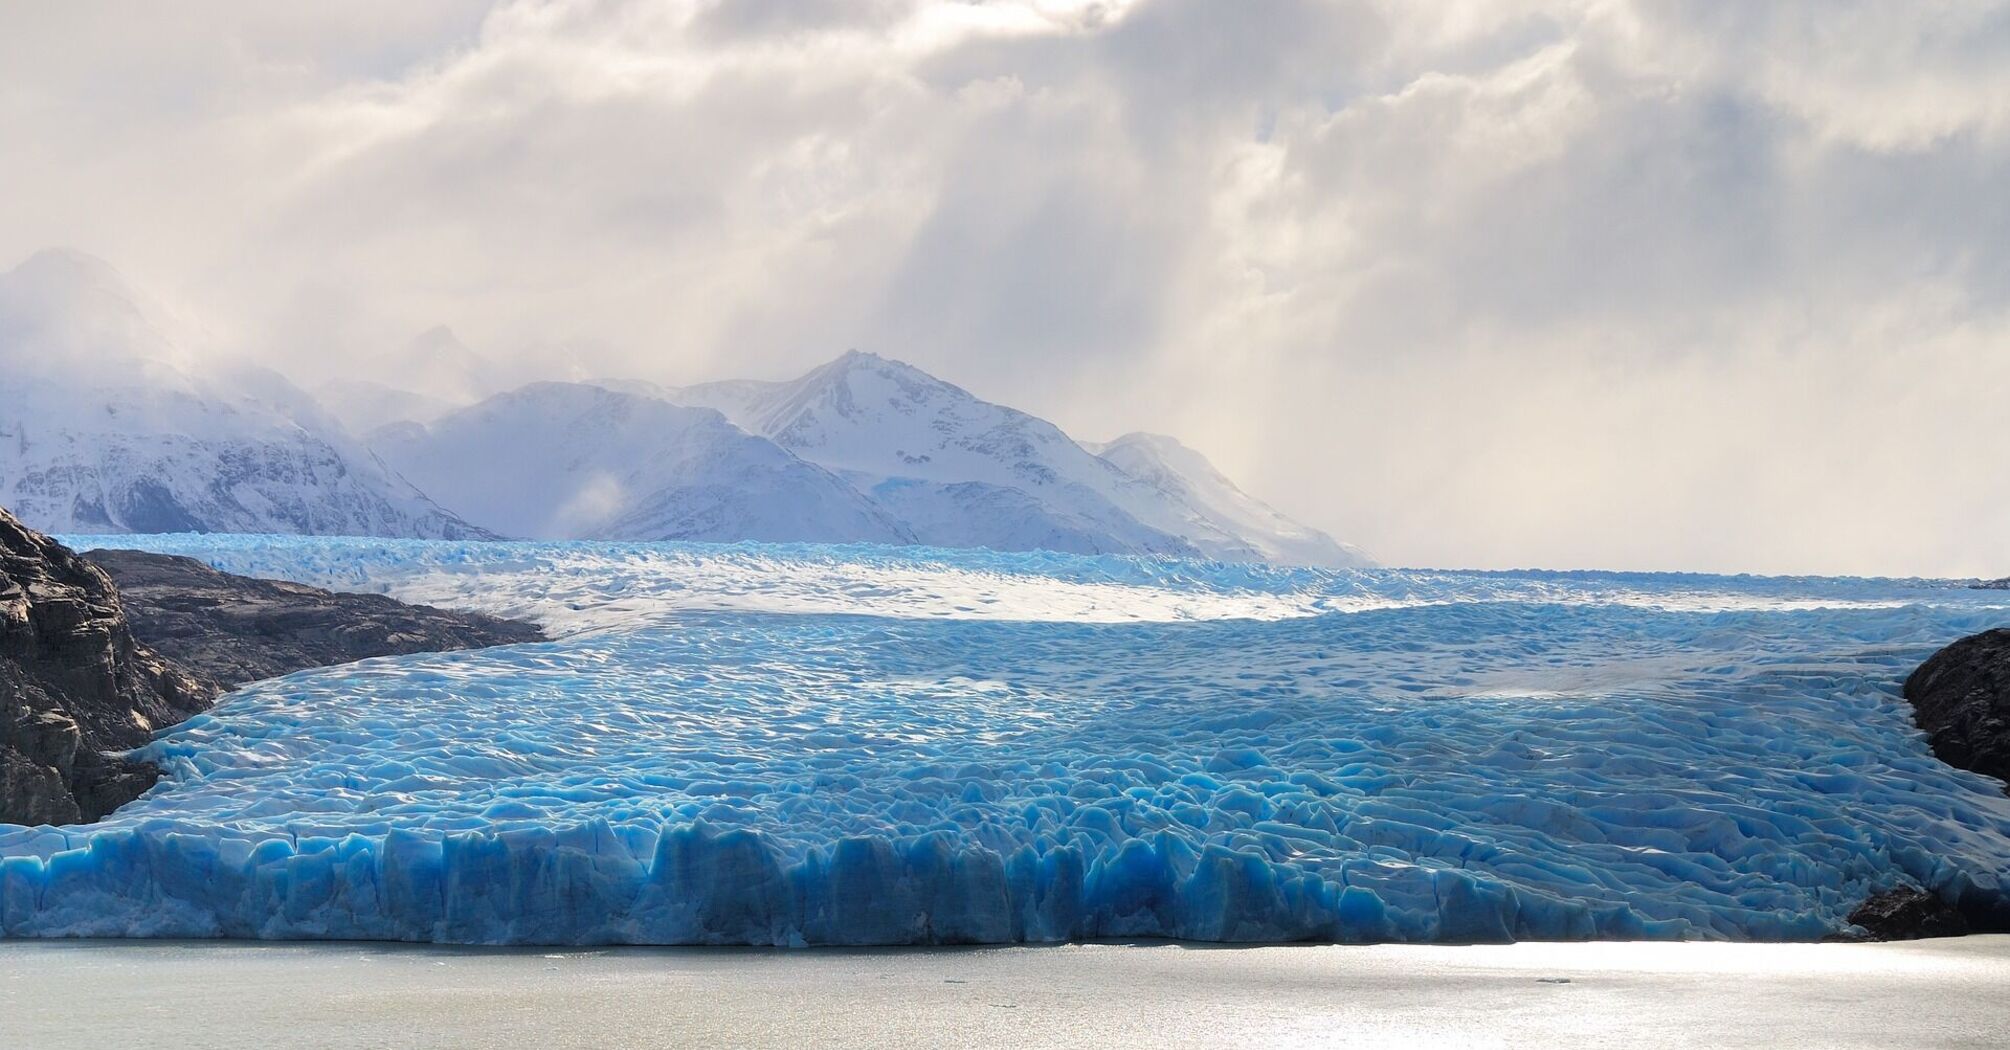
[804, 745]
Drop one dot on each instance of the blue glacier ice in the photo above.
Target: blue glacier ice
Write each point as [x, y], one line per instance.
[806, 745]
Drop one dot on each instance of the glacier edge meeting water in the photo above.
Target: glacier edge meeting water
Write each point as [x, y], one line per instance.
[797, 745]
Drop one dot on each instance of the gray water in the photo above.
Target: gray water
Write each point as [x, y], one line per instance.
[101, 994]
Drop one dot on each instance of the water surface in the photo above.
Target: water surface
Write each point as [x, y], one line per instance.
[176, 995]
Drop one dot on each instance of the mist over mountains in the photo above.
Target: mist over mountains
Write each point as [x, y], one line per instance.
[109, 424]
[106, 425]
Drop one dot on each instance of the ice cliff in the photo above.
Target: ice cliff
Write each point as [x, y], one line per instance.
[806, 745]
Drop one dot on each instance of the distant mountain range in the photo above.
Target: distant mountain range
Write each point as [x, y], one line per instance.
[104, 428]
[107, 426]
[571, 461]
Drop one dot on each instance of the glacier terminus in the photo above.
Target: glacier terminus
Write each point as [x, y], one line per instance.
[795, 744]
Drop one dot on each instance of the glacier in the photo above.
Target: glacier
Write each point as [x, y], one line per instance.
[800, 745]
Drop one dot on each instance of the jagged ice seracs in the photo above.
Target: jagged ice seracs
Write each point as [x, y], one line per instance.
[792, 745]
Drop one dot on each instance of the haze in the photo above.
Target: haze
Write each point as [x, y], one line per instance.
[1601, 284]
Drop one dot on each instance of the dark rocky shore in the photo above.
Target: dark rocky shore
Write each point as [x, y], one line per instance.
[1961, 699]
[236, 629]
[1907, 914]
[99, 652]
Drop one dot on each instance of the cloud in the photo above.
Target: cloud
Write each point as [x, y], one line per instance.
[1633, 284]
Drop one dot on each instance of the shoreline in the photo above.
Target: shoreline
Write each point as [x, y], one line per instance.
[1946, 992]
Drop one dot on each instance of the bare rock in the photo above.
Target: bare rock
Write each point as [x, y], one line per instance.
[1961, 699]
[237, 629]
[1906, 914]
[33, 792]
[74, 684]
[90, 669]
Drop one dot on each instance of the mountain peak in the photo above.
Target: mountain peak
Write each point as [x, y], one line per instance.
[573, 460]
[64, 279]
[435, 364]
[438, 340]
[866, 361]
[1167, 464]
[882, 376]
[66, 310]
[73, 265]
[1139, 438]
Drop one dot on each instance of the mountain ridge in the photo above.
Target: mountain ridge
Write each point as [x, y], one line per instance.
[554, 460]
[1171, 466]
[109, 424]
[104, 427]
[950, 459]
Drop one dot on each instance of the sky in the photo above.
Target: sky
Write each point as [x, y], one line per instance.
[1657, 285]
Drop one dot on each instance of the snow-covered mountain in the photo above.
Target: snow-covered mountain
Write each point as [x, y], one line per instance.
[428, 376]
[961, 472]
[1186, 477]
[106, 426]
[570, 461]
[363, 405]
[436, 364]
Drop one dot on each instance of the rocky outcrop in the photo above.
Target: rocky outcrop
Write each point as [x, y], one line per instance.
[1961, 699]
[1991, 585]
[98, 653]
[75, 686]
[235, 629]
[1906, 914]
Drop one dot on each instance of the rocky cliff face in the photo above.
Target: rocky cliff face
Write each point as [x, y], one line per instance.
[95, 657]
[74, 685]
[235, 629]
[1961, 698]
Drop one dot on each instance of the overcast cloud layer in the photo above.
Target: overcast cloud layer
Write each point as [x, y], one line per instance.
[1655, 285]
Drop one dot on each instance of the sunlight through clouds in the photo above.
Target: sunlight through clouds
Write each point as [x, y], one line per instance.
[1654, 285]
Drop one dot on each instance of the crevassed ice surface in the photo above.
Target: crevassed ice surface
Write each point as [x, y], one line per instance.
[812, 745]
